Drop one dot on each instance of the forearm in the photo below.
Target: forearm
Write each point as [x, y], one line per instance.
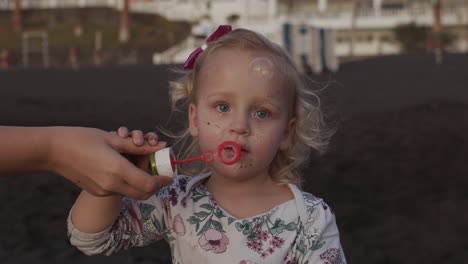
[93, 214]
[24, 149]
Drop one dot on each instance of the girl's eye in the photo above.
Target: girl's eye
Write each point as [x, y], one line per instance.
[262, 114]
[222, 107]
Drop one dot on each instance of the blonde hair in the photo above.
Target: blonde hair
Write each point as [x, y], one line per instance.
[308, 132]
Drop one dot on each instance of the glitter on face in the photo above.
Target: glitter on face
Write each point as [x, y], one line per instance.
[261, 69]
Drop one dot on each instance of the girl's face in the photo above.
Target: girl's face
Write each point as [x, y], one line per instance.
[239, 98]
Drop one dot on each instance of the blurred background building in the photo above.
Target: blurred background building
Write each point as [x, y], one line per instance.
[318, 33]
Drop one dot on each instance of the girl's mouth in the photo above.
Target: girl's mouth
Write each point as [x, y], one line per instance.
[229, 152]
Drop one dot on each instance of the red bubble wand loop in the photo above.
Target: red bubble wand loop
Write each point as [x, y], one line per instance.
[162, 162]
[208, 156]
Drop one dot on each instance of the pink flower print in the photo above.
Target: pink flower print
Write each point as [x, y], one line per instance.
[178, 225]
[277, 241]
[136, 221]
[332, 256]
[173, 196]
[255, 245]
[183, 184]
[246, 262]
[262, 235]
[251, 244]
[183, 202]
[213, 240]
[167, 210]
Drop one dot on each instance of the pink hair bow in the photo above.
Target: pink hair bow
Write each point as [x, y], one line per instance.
[221, 31]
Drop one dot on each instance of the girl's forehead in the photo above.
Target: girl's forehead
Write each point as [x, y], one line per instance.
[239, 66]
[219, 56]
[261, 69]
[250, 73]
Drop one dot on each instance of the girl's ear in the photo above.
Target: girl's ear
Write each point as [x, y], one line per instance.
[288, 135]
[193, 122]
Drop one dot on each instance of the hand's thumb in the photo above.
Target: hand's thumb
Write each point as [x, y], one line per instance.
[164, 180]
[158, 182]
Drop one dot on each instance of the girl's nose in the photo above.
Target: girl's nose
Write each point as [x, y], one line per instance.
[240, 126]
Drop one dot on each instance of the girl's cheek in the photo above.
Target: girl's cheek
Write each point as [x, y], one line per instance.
[210, 120]
[216, 120]
[221, 123]
[211, 125]
[258, 129]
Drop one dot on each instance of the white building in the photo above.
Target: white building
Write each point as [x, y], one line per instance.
[360, 27]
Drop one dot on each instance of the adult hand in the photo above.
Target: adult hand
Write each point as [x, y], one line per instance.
[91, 159]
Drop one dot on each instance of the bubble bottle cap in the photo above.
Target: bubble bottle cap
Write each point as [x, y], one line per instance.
[162, 163]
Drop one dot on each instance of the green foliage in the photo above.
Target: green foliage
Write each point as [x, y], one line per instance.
[415, 38]
[146, 210]
[412, 37]
[148, 33]
[447, 38]
[246, 227]
[233, 18]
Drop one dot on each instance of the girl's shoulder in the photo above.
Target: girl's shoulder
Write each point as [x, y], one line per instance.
[312, 209]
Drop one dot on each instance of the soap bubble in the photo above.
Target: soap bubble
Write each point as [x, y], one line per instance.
[261, 68]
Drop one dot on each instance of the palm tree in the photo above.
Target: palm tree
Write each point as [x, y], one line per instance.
[17, 27]
[354, 15]
[124, 31]
[436, 31]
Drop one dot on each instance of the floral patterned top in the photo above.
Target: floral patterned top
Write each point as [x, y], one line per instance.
[302, 230]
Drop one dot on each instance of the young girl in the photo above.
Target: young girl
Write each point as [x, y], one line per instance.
[238, 87]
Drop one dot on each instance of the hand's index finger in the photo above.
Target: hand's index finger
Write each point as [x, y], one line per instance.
[126, 145]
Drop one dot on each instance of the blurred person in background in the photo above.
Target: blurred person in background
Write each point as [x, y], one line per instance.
[4, 59]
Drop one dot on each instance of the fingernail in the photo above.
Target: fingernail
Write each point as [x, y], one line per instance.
[162, 143]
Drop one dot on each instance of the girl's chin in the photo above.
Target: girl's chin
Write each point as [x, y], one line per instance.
[234, 172]
[231, 171]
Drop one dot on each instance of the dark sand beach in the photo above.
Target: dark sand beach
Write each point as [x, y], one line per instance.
[396, 171]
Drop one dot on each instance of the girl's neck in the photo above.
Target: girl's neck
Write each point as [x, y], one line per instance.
[216, 183]
[248, 197]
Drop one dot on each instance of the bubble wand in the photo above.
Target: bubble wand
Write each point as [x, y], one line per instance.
[163, 162]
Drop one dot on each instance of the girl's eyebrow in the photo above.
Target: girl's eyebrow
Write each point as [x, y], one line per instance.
[219, 94]
[260, 101]
[270, 102]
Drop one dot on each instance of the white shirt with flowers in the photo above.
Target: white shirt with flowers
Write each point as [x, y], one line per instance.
[302, 230]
